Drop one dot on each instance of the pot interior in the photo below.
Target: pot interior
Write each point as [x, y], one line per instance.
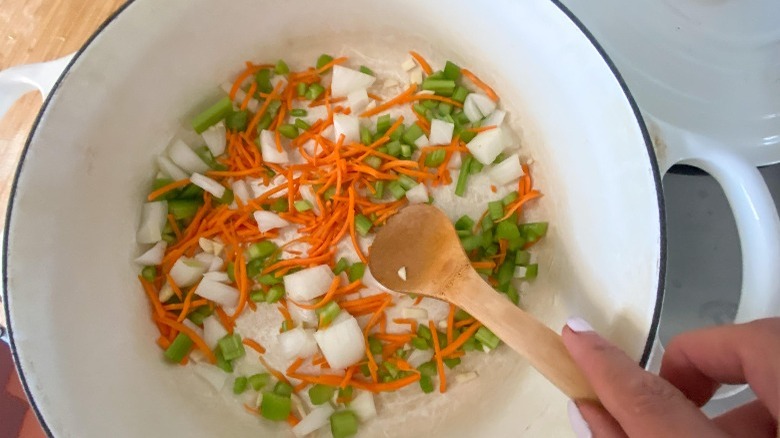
[80, 323]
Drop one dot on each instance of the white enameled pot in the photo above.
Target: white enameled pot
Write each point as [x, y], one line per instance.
[78, 323]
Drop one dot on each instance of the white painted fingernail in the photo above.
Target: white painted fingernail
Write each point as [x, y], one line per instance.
[578, 325]
[578, 424]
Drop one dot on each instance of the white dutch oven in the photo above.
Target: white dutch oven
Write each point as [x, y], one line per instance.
[79, 325]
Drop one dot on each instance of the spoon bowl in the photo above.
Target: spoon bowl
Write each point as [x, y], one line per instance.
[419, 252]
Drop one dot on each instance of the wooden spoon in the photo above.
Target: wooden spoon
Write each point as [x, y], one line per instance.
[421, 240]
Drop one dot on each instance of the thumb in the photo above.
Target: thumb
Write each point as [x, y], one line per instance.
[643, 404]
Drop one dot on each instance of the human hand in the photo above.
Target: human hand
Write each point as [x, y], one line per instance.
[640, 404]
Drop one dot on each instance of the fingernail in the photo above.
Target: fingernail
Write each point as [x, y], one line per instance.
[578, 325]
[578, 424]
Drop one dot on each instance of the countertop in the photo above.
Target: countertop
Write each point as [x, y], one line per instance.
[33, 31]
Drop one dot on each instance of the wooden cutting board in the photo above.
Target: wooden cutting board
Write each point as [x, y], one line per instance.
[36, 31]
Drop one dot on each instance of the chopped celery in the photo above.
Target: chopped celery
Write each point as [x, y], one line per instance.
[281, 67]
[396, 190]
[487, 338]
[394, 148]
[373, 161]
[289, 131]
[379, 186]
[302, 125]
[263, 79]
[495, 210]
[283, 388]
[467, 136]
[212, 115]
[451, 71]
[321, 394]
[183, 208]
[328, 313]
[258, 381]
[275, 293]
[275, 407]
[365, 136]
[459, 95]
[510, 198]
[464, 223]
[435, 158]
[314, 91]
[463, 176]
[356, 271]
[523, 258]
[343, 424]
[240, 385]
[383, 123]
[261, 250]
[269, 280]
[412, 133]
[149, 273]
[366, 70]
[231, 346]
[301, 89]
[237, 120]
[507, 230]
[531, 272]
[323, 60]
[363, 224]
[179, 348]
[302, 205]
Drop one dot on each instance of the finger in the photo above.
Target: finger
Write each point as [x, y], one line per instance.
[752, 417]
[643, 404]
[698, 362]
[599, 422]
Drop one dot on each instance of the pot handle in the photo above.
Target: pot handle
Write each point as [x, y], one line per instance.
[756, 217]
[14, 83]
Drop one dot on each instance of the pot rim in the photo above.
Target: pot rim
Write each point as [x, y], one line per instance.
[634, 107]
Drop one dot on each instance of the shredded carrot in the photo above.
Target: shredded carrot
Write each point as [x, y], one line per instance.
[330, 65]
[493, 189]
[412, 323]
[465, 322]
[450, 348]
[254, 345]
[294, 366]
[292, 420]
[187, 303]
[439, 359]
[279, 376]
[450, 323]
[153, 297]
[483, 265]
[533, 194]
[485, 87]
[347, 377]
[391, 103]
[286, 314]
[167, 188]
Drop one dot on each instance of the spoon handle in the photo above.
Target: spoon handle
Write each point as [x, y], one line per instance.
[541, 346]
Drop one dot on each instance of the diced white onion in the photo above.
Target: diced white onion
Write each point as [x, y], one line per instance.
[166, 292]
[314, 114]
[342, 343]
[402, 273]
[486, 146]
[192, 326]
[495, 119]
[506, 171]
[346, 80]
[171, 170]
[408, 64]
[389, 83]
[357, 100]
[267, 221]
[308, 283]
[186, 271]
[184, 157]
[208, 184]
[210, 246]
[416, 76]
[414, 313]
[220, 293]
[419, 357]
[301, 316]
[363, 406]
[485, 104]
[307, 193]
[372, 283]
[298, 343]
[215, 138]
[213, 331]
[441, 132]
[241, 190]
[348, 125]
[520, 271]
[153, 218]
[417, 194]
[219, 276]
[456, 160]
[209, 260]
[319, 417]
[154, 255]
[465, 377]
[268, 149]
[215, 376]
[422, 141]
[471, 110]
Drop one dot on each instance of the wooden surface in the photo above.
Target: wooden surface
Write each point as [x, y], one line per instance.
[33, 31]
